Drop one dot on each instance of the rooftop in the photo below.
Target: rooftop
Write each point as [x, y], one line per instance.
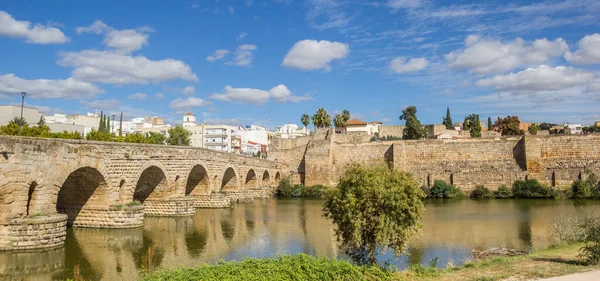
[355, 122]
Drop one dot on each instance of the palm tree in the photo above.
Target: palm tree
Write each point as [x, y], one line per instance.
[345, 115]
[305, 119]
[321, 119]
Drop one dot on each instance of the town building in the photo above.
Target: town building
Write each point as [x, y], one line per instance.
[291, 131]
[9, 112]
[573, 129]
[218, 137]
[355, 125]
[189, 120]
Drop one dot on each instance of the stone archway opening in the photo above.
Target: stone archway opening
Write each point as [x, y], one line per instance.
[266, 178]
[277, 177]
[230, 181]
[250, 179]
[197, 183]
[31, 197]
[85, 187]
[151, 184]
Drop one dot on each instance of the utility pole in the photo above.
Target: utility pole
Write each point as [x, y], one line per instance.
[21, 121]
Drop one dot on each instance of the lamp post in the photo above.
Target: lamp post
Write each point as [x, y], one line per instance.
[112, 127]
[21, 120]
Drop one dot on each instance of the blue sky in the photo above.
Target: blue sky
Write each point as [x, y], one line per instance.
[267, 62]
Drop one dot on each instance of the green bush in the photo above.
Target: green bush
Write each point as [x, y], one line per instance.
[315, 191]
[591, 251]
[570, 229]
[286, 189]
[297, 267]
[582, 189]
[532, 189]
[441, 189]
[503, 192]
[481, 192]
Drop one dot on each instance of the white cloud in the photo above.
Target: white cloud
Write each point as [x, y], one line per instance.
[400, 65]
[188, 103]
[486, 56]
[279, 93]
[325, 14]
[242, 36]
[33, 33]
[243, 55]
[114, 68]
[231, 9]
[189, 90]
[138, 96]
[159, 95]
[403, 4]
[313, 54]
[543, 78]
[589, 51]
[70, 88]
[217, 55]
[123, 41]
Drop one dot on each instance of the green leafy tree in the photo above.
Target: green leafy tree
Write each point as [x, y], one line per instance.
[136, 138]
[413, 129]
[473, 125]
[321, 119]
[534, 129]
[156, 138]
[448, 120]
[345, 115]
[101, 124]
[545, 126]
[42, 122]
[508, 126]
[19, 121]
[305, 119]
[178, 136]
[98, 136]
[10, 129]
[374, 209]
[490, 127]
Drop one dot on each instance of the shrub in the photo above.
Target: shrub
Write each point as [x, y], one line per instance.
[441, 189]
[297, 267]
[503, 192]
[285, 188]
[570, 229]
[591, 251]
[581, 189]
[532, 189]
[374, 209]
[315, 191]
[481, 192]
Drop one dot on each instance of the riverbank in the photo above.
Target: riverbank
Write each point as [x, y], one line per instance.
[554, 261]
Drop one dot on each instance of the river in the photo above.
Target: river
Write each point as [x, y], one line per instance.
[270, 227]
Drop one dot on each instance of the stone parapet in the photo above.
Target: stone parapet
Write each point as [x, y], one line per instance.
[184, 206]
[42, 232]
[116, 216]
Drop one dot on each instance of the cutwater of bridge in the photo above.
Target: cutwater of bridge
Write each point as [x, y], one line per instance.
[47, 185]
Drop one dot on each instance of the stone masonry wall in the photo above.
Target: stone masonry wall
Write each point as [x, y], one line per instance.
[394, 131]
[112, 217]
[172, 207]
[40, 232]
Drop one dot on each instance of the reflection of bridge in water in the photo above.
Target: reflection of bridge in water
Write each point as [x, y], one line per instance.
[46, 184]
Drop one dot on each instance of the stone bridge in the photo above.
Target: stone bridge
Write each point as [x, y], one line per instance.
[49, 184]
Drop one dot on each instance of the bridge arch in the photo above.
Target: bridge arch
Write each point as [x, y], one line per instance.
[152, 182]
[251, 179]
[266, 178]
[85, 187]
[230, 179]
[198, 180]
[277, 177]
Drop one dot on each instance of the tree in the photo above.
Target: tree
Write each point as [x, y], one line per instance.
[305, 119]
[101, 124]
[448, 120]
[20, 121]
[156, 138]
[178, 136]
[345, 115]
[490, 127]
[508, 126]
[374, 209]
[136, 138]
[545, 126]
[42, 122]
[321, 119]
[474, 126]
[413, 129]
[338, 121]
[533, 129]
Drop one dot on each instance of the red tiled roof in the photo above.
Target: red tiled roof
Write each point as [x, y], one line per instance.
[355, 122]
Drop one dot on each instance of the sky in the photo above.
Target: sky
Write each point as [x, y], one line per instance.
[268, 62]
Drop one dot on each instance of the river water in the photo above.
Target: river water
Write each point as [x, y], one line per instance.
[270, 227]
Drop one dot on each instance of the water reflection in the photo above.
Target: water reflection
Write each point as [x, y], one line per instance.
[270, 227]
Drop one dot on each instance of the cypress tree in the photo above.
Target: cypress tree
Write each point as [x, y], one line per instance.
[101, 125]
[448, 120]
[490, 127]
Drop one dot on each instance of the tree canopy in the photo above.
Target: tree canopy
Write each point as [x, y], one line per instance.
[473, 124]
[178, 136]
[534, 129]
[374, 209]
[448, 120]
[305, 119]
[413, 129]
[508, 126]
[321, 119]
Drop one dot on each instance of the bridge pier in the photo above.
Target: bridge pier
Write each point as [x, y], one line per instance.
[115, 216]
[183, 206]
[42, 232]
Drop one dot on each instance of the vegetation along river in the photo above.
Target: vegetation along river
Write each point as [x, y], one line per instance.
[270, 227]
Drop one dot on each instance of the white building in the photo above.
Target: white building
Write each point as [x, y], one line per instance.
[219, 137]
[355, 125]
[254, 139]
[573, 128]
[9, 112]
[291, 131]
[189, 120]
[56, 118]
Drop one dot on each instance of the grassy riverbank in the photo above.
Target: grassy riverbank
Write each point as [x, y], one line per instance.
[554, 261]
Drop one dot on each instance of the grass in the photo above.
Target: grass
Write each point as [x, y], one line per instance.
[554, 261]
